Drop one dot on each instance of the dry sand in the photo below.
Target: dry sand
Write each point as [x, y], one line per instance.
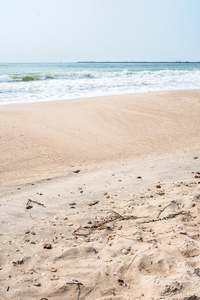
[136, 196]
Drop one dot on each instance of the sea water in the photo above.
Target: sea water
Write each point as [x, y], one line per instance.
[37, 82]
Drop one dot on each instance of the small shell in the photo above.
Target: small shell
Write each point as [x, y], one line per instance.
[52, 269]
[55, 277]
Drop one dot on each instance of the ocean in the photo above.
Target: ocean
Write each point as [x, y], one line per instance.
[38, 82]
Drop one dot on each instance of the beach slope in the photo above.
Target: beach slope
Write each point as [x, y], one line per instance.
[50, 139]
[100, 198]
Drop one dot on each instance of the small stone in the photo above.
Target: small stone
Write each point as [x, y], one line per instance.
[158, 186]
[56, 217]
[139, 238]
[124, 251]
[76, 171]
[37, 284]
[47, 246]
[93, 203]
[70, 224]
[72, 203]
[160, 193]
[29, 206]
[113, 255]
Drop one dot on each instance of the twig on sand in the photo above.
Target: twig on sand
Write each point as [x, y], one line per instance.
[81, 234]
[117, 214]
[32, 201]
[130, 217]
[29, 214]
[127, 267]
[79, 284]
[170, 216]
[173, 202]
[111, 219]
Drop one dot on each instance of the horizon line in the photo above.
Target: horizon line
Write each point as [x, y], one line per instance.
[135, 62]
[91, 61]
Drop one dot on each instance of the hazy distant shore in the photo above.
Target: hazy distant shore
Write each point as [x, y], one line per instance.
[140, 62]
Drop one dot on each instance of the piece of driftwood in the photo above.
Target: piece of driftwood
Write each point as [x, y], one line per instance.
[36, 202]
[170, 216]
[108, 220]
[161, 211]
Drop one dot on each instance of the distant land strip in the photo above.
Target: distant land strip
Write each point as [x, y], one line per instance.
[138, 62]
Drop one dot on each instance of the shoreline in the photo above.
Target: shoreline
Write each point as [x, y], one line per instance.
[96, 97]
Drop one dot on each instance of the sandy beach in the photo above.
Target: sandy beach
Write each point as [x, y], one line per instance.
[100, 198]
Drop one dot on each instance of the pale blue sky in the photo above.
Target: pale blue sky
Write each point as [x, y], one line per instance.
[101, 30]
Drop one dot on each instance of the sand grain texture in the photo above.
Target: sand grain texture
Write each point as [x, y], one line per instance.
[136, 198]
[46, 139]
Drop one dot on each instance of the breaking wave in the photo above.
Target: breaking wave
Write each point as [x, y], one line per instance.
[46, 86]
[143, 75]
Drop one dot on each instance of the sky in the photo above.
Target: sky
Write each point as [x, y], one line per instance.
[99, 30]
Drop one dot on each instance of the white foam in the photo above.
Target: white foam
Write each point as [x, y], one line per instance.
[70, 85]
[5, 78]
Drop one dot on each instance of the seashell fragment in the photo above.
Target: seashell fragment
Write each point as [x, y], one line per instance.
[53, 269]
